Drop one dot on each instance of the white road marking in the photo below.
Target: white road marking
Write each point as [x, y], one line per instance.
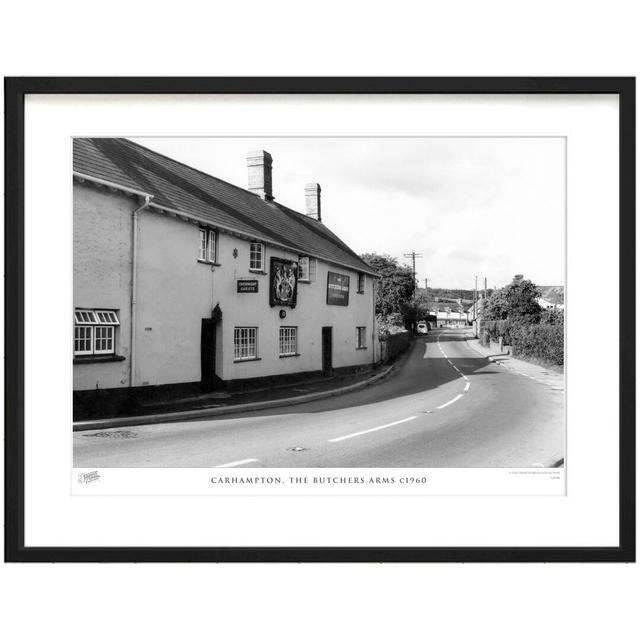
[237, 463]
[360, 433]
[446, 404]
[466, 387]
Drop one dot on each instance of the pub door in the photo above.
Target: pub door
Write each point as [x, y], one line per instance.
[208, 354]
[327, 349]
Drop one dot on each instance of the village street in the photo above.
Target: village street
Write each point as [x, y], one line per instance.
[444, 405]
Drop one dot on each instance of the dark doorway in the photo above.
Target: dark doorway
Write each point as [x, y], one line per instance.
[327, 349]
[208, 354]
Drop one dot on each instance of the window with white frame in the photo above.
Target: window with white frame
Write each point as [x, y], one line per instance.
[95, 331]
[256, 256]
[361, 337]
[245, 343]
[307, 268]
[361, 283]
[207, 252]
[288, 341]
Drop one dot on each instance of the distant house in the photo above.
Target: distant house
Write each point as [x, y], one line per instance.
[449, 314]
[548, 304]
[451, 318]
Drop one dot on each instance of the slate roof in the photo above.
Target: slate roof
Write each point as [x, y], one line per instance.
[176, 186]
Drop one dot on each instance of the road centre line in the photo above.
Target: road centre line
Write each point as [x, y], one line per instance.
[360, 433]
[237, 463]
[466, 387]
[446, 404]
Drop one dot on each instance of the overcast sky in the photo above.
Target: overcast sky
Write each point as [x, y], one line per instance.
[490, 207]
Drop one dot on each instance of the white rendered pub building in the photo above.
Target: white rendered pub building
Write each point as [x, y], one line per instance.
[184, 283]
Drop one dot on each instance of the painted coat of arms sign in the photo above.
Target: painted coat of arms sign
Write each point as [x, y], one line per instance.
[283, 283]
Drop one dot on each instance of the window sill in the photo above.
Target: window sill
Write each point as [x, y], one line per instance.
[258, 272]
[211, 264]
[361, 348]
[108, 357]
[304, 281]
[247, 360]
[290, 355]
[360, 292]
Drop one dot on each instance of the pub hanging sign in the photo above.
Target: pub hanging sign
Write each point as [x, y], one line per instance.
[283, 283]
[337, 289]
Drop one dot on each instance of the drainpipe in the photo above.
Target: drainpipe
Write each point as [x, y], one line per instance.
[134, 282]
[373, 319]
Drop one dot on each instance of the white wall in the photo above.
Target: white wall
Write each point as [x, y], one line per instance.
[175, 291]
[310, 315]
[102, 274]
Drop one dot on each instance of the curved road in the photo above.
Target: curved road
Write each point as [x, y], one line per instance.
[443, 406]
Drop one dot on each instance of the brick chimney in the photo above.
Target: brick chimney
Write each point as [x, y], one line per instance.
[312, 200]
[259, 165]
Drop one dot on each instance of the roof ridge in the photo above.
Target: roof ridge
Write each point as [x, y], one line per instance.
[204, 173]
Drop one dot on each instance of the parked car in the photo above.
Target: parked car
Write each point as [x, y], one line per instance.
[422, 327]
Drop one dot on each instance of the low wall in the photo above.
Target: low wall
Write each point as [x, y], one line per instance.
[392, 346]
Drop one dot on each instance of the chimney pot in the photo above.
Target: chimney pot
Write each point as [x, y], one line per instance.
[312, 200]
[259, 165]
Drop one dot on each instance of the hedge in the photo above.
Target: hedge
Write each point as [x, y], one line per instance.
[392, 345]
[544, 341]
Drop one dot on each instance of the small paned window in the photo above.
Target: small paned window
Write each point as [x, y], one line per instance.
[307, 268]
[207, 247]
[256, 256]
[288, 341]
[95, 331]
[245, 343]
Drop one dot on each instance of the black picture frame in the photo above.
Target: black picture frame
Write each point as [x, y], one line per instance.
[15, 91]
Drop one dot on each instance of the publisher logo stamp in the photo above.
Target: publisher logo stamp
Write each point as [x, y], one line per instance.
[86, 478]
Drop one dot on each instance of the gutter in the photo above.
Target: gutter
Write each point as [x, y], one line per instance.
[111, 185]
[134, 287]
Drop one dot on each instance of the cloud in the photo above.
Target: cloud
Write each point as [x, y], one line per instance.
[487, 206]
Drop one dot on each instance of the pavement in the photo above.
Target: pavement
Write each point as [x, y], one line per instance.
[444, 405]
[536, 372]
[219, 403]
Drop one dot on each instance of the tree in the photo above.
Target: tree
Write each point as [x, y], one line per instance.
[522, 300]
[516, 301]
[495, 306]
[395, 286]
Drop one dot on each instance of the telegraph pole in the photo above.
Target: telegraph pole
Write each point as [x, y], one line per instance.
[475, 299]
[413, 255]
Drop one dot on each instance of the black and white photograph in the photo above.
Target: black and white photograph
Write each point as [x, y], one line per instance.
[319, 302]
